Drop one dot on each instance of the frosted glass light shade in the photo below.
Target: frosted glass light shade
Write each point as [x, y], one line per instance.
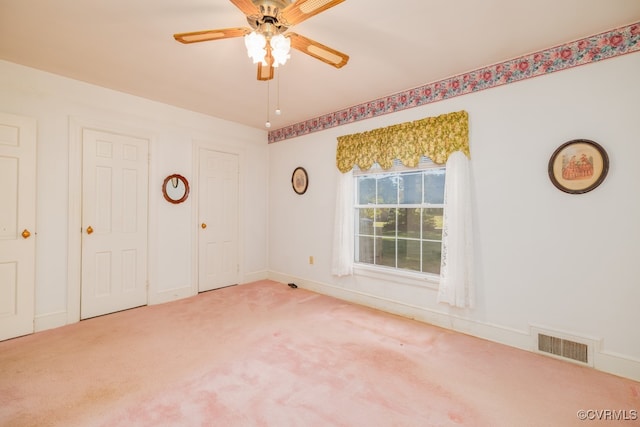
[280, 47]
[256, 44]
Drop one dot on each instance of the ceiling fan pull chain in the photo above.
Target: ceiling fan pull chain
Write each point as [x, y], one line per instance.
[268, 123]
[278, 111]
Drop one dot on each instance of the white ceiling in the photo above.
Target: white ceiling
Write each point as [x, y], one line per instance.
[128, 45]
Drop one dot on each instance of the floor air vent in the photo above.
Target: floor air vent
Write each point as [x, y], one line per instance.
[564, 348]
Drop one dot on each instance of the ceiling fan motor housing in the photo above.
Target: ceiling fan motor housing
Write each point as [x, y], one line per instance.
[269, 21]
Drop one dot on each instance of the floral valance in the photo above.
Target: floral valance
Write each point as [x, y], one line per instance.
[433, 137]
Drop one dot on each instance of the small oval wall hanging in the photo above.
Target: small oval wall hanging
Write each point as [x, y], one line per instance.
[300, 180]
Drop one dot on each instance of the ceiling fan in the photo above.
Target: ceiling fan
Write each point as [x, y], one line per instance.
[269, 20]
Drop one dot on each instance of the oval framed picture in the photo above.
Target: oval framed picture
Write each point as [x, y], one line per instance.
[578, 166]
[300, 180]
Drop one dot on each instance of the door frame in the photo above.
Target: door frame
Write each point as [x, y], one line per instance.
[223, 148]
[74, 230]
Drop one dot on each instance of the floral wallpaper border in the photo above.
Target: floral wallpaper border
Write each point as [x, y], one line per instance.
[595, 48]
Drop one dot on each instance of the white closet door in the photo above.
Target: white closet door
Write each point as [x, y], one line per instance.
[114, 221]
[17, 225]
[218, 216]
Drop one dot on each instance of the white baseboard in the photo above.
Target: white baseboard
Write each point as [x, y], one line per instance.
[255, 276]
[171, 295]
[43, 322]
[188, 291]
[616, 364]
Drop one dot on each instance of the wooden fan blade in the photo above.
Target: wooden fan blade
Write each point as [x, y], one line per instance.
[318, 51]
[203, 36]
[246, 6]
[301, 10]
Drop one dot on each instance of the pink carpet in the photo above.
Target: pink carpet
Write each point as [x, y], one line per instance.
[266, 355]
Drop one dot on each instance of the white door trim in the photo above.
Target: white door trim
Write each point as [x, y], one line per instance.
[74, 248]
[223, 148]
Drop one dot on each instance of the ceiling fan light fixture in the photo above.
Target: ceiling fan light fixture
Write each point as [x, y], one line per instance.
[256, 47]
[280, 48]
[264, 40]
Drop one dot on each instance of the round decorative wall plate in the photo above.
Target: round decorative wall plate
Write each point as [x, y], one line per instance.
[578, 166]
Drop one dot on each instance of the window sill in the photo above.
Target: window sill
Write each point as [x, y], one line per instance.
[397, 276]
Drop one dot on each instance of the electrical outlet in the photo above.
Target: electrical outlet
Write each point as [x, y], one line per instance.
[311, 259]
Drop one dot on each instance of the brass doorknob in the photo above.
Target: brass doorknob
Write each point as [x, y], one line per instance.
[89, 230]
[26, 233]
[203, 225]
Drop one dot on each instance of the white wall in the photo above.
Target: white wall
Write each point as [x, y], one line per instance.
[58, 103]
[543, 257]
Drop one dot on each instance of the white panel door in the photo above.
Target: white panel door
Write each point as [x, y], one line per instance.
[17, 224]
[218, 214]
[114, 221]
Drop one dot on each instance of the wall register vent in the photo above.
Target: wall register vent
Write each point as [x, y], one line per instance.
[564, 346]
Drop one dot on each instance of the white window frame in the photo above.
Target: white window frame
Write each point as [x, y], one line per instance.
[392, 274]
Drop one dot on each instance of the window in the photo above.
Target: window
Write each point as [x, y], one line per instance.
[398, 218]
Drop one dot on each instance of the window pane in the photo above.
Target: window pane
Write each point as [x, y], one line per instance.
[386, 222]
[432, 223]
[409, 254]
[365, 250]
[434, 186]
[387, 252]
[411, 188]
[366, 190]
[365, 220]
[409, 222]
[388, 189]
[400, 236]
[431, 257]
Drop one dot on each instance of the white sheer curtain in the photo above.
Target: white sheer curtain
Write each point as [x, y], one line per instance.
[342, 260]
[456, 271]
